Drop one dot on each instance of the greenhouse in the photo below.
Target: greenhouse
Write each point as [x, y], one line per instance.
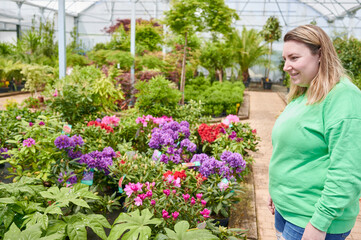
[180, 119]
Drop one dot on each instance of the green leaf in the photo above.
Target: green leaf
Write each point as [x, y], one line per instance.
[53, 209]
[13, 233]
[182, 232]
[97, 223]
[76, 230]
[80, 202]
[7, 200]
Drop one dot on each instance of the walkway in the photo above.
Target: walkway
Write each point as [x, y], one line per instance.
[265, 108]
[18, 98]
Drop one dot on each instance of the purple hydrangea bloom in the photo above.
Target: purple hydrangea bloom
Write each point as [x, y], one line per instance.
[185, 124]
[63, 141]
[104, 162]
[28, 142]
[191, 147]
[209, 165]
[234, 160]
[164, 158]
[109, 152]
[98, 120]
[175, 158]
[88, 160]
[96, 154]
[4, 156]
[77, 140]
[74, 155]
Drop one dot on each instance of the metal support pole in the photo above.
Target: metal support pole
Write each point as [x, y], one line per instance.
[156, 9]
[18, 26]
[132, 46]
[61, 38]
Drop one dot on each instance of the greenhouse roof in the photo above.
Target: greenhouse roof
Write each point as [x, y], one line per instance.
[329, 9]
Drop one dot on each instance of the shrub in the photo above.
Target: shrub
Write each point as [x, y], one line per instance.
[157, 97]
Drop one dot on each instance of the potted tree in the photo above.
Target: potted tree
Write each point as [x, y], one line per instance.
[271, 32]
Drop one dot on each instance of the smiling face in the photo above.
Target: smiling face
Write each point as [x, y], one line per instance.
[300, 63]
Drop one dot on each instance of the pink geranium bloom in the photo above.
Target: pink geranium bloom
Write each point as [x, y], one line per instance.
[186, 197]
[110, 120]
[166, 192]
[193, 201]
[138, 201]
[199, 195]
[175, 215]
[204, 203]
[205, 213]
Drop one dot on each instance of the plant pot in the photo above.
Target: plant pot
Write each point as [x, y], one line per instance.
[221, 222]
[3, 90]
[267, 85]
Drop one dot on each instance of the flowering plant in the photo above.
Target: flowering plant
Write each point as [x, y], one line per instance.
[171, 143]
[176, 197]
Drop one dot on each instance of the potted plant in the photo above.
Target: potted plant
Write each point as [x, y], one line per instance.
[271, 32]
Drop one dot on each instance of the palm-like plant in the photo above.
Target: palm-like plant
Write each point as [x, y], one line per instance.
[248, 50]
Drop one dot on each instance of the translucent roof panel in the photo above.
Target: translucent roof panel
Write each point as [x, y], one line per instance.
[71, 6]
[333, 9]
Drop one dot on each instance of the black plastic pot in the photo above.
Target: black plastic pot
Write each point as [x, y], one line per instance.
[267, 85]
[221, 222]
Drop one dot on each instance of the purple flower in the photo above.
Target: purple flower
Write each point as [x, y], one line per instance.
[28, 142]
[31, 124]
[88, 160]
[63, 141]
[98, 120]
[222, 130]
[77, 140]
[233, 135]
[41, 123]
[74, 155]
[108, 152]
[2, 153]
[191, 147]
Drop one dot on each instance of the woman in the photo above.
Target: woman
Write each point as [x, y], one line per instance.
[315, 169]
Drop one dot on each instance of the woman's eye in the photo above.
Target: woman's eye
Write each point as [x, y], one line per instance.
[294, 58]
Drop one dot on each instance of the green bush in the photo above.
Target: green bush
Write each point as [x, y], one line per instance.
[150, 62]
[73, 59]
[157, 97]
[218, 98]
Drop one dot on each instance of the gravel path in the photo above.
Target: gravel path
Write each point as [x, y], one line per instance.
[265, 108]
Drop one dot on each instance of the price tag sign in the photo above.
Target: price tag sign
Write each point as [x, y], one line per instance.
[192, 164]
[120, 184]
[66, 129]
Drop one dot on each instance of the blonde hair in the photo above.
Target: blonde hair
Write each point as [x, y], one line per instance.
[330, 70]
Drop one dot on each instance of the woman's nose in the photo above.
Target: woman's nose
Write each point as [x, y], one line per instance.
[286, 67]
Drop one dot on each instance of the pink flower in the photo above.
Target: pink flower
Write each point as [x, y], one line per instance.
[199, 195]
[193, 201]
[55, 93]
[149, 194]
[186, 197]
[222, 186]
[176, 183]
[204, 203]
[131, 187]
[165, 214]
[18, 117]
[205, 213]
[150, 185]
[232, 118]
[142, 196]
[166, 192]
[152, 202]
[175, 215]
[31, 124]
[174, 191]
[110, 120]
[138, 201]
[254, 131]
[28, 142]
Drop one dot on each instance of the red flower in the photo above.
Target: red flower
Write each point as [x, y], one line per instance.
[210, 133]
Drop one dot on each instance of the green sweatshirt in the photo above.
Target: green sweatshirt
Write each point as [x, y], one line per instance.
[315, 169]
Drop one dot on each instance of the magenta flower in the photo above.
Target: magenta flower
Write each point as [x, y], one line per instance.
[138, 201]
[149, 194]
[205, 213]
[28, 142]
[199, 195]
[186, 197]
[204, 203]
[175, 215]
[131, 187]
[174, 191]
[152, 202]
[142, 196]
[193, 201]
[166, 192]
[55, 94]
[41, 123]
[150, 185]
[165, 214]
[31, 124]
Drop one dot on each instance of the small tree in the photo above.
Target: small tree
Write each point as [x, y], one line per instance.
[248, 49]
[189, 16]
[271, 32]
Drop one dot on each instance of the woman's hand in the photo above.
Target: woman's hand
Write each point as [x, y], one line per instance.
[271, 206]
[312, 233]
